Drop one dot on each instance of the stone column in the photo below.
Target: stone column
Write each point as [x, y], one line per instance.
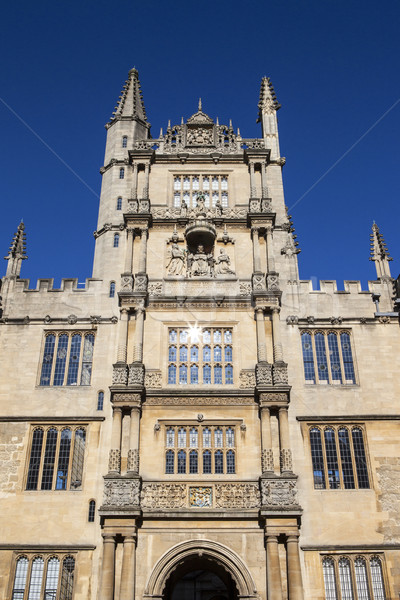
[146, 181]
[261, 343]
[129, 250]
[108, 568]
[270, 252]
[138, 344]
[134, 181]
[123, 336]
[267, 456]
[276, 333]
[286, 453]
[274, 582]
[264, 187]
[295, 583]
[256, 250]
[133, 452]
[252, 180]
[143, 250]
[114, 463]
[127, 590]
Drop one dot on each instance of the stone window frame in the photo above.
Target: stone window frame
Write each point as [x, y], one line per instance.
[65, 587]
[355, 590]
[332, 375]
[221, 191]
[38, 457]
[81, 379]
[200, 362]
[349, 426]
[200, 448]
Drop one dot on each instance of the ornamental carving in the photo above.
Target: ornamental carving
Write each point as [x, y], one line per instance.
[247, 379]
[286, 460]
[153, 379]
[200, 497]
[267, 460]
[140, 283]
[136, 374]
[280, 373]
[72, 319]
[258, 281]
[126, 282]
[279, 494]
[114, 461]
[237, 495]
[263, 374]
[163, 495]
[155, 289]
[133, 461]
[121, 492]
[273, 397]
[292, 320]
[120, 374]
[190, 213]
[260, 205]
[272, 282]
[245, 288]
[198, 401]
[200, 136]
[336, 320]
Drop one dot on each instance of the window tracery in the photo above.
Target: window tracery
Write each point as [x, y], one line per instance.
[353, 577]
[67, 359]
[214, 188]
[43, 576]
[327, 357]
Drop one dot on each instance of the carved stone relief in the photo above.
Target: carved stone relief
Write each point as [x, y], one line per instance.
[114, 461]
[237, 495]
[153, 379]
[136, 374]
[263, 374]
[280, 494]
[200, 497]
[267, 460]
[163, 495]
[247, 379]
[120, 374]
[121, 492]
[133, 461]
[280, 374]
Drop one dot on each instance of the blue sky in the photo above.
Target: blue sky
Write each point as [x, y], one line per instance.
[334, 65]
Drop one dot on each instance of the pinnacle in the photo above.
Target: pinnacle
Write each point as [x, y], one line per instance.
[130, 102]
[268, 101]
[18, 244]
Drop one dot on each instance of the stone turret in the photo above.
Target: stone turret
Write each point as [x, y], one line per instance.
[380, 254]
[17, 252]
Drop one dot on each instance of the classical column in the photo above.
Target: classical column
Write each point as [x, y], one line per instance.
[267, 456]
[134, 181]
[129, 250]
[108, 568]
[252, 180]
[133, 452]
[264, 187]
[295, 583]
[138, 343]
[114, 464]
[145, 194]
[286, 453]
[274, 582]
[261, 343]
[143, 250]
[256, 250]
[127, 590]
[270, 252]
[276, 333]
[123, 336]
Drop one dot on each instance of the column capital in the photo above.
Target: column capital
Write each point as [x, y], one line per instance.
[276, 310]
[293, 537]
[130, 539]
[130, 231]
[254, 230]
[271, 539]
[108, 537]
[117, 409]
[283, 409]
[124, 311]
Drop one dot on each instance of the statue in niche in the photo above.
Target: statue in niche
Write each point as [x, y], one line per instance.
[184, 208]
[177, 260]
[200, 209]
[200, 264]
[222, 264]
[218, 208]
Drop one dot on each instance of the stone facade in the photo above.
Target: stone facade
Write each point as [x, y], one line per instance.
[196, 406]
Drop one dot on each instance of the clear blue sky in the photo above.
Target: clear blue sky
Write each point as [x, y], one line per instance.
[335, 68]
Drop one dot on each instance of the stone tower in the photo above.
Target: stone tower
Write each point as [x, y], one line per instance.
[197, 421]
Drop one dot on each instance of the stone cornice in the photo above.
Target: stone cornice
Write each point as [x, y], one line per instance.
[322, 419]
[47, 547]
[40, 419]
[339, 548]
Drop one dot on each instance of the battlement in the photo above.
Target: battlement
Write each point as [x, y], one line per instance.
[67, 285]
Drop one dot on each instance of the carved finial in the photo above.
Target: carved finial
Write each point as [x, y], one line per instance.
[267, 106]
[17, 252]
[200, 106]
[217, 121]
[238, 132]
[169, 125]
[230, 124]
[379, 253]
[130, 102]
[182, 121]
[161, 132]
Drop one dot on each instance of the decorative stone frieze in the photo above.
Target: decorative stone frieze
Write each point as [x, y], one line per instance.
[136, 374]
[120, 374]
[258, 282]
[247, 379]
[198, 400]
[245, 288]
[280, 373]
[163, 495]
[264, 374]
[139, 206]
[133, 461]
[279, 494]
[267, 460]
[153, 379]
[121, 492]
[273, 282]
[140, 284]
[189, 213]
[286, 460]
[273, 398]
[114, 461]
[260, 205]
[126, 282]
[292, 320]
[236, 495]
[155, 289]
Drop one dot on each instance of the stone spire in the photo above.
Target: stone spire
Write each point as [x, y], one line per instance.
[130, 104]
[267, 107]
[380, 254]
[17, 252]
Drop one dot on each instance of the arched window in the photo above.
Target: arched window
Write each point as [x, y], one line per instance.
[331, 459]
[360, 570]
[193, 437]
[181, 461]
[169, 462]
[317, 458]
[67, 578]
[360, 458]
[183, 374]
[345, 457]
[119, 203]
[230, 461]
[218, 441]
[321, 357]
[122, 173]
[172, 374]
[346, 586]
[61, 358]
[207, 437]
[34, 463]
[43, 570]
[100, 400]
[116, 240]
[63, 460]
[217, 374]
[92, 511]
[124, 141]
[112, 289]
[35, 583]
[377, 578]
[219, 462]
[76, 340]
[182, 437]
[21, 572]
[193, 461]
[334, 357]
[230, 437]
[68, 351]
[170, 437]
[49, 458]
[206, 461]
[47, 364]
[328, 568]
[194, 374]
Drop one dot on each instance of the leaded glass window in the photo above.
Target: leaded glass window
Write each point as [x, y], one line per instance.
[327, 357]
[112, 289]
[335, 451]
[328, 567]
[116, 240]
[200, 363]
[91, 511]
[203, 449]
[119, 203]
[122, 173]
[124, 141]
[353, 577]
[100, 401]
[43, 577]
[56, 458]
[187, 187]
[67, 359]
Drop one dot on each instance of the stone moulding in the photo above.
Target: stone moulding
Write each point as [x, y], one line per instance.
[198, 400]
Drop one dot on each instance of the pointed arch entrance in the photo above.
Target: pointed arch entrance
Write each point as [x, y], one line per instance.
[200, 570]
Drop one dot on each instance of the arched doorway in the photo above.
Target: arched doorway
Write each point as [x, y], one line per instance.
[200, 578]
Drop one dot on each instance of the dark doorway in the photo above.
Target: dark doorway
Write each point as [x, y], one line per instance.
[199, 578]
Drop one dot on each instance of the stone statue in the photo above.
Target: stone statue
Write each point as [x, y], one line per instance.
[200, 209]
[200, 264]
[222, 264]
[177, 260]
[218, 208]
[184, 208]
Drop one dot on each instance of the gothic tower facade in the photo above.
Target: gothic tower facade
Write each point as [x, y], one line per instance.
[197, 421]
